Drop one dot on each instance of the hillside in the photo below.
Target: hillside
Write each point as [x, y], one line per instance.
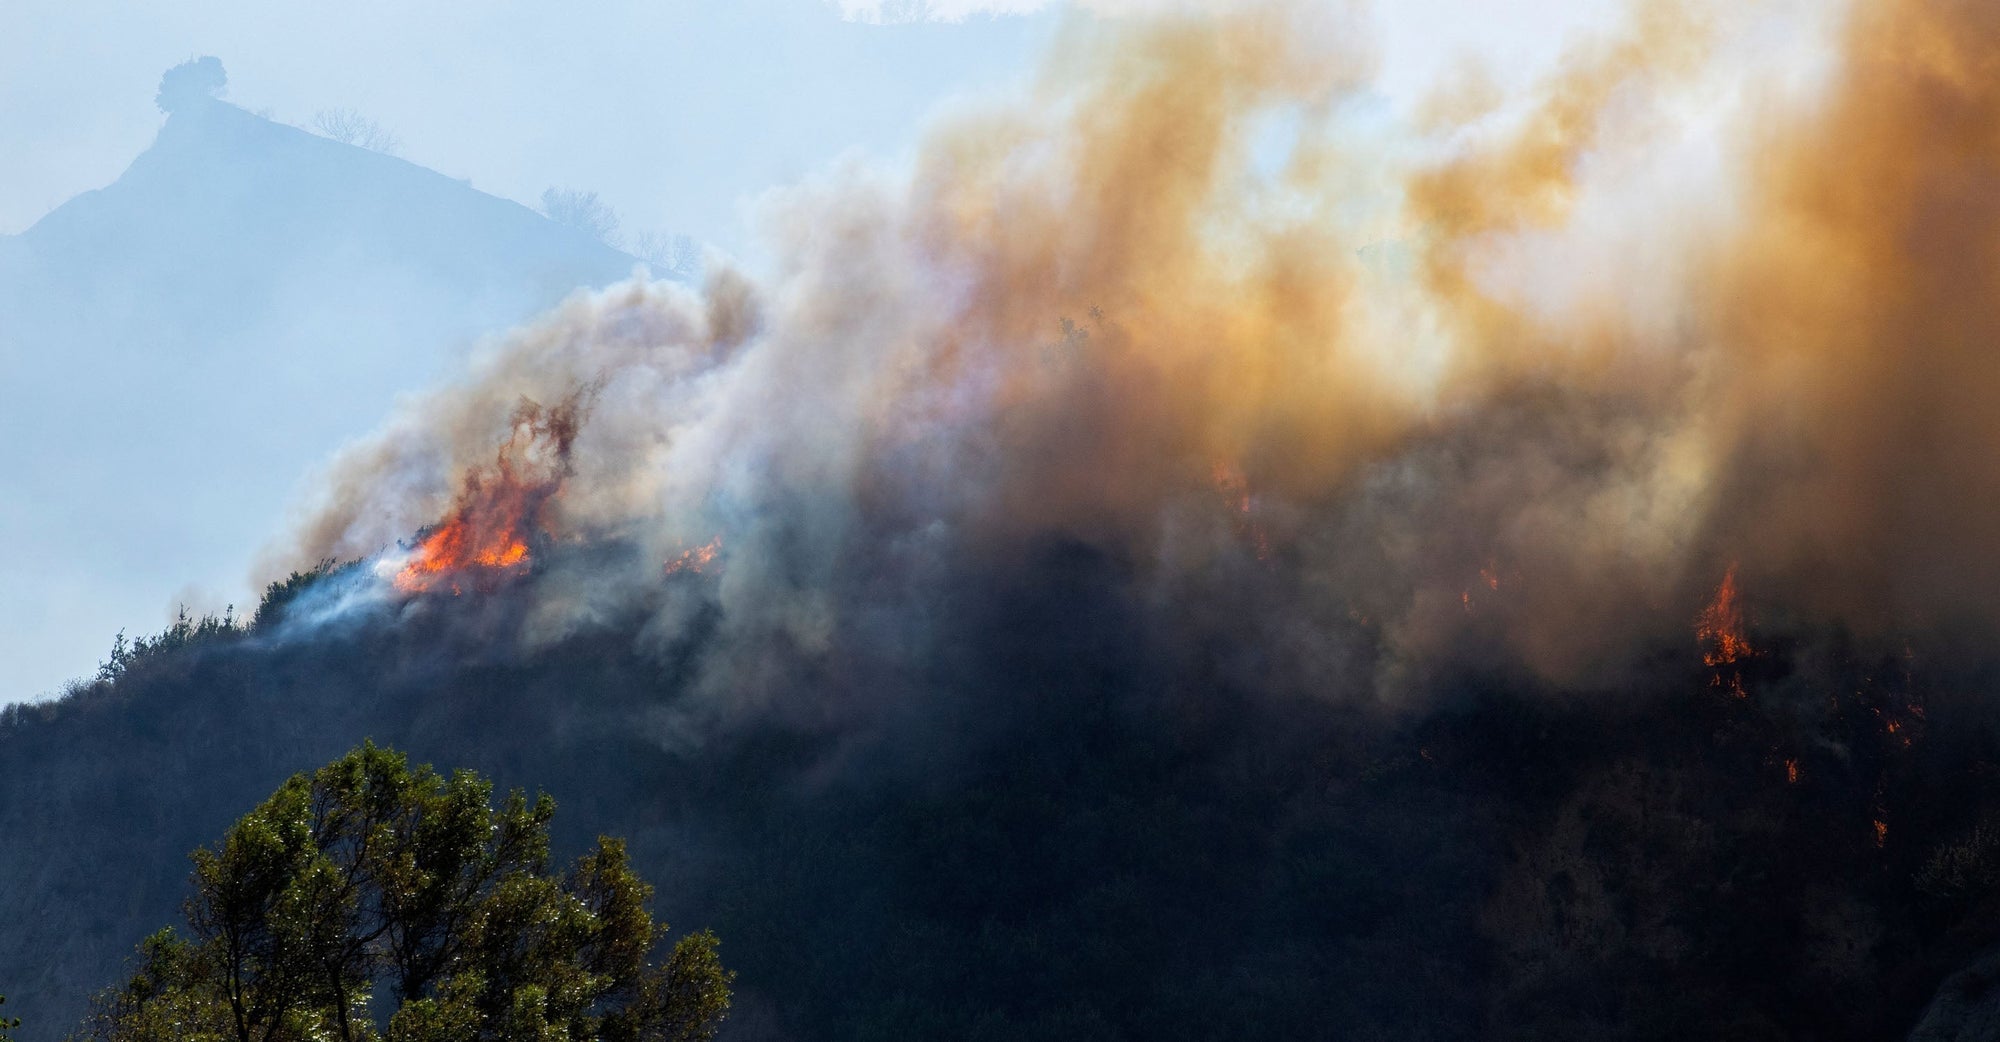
[1070, 829]
[204, 331]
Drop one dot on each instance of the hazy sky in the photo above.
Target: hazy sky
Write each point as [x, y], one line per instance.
[672, 109]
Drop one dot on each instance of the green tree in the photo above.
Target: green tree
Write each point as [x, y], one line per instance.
[7, 1023]
[372, 901]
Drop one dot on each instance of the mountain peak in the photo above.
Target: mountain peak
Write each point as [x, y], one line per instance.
[245, 297]
[191, 83]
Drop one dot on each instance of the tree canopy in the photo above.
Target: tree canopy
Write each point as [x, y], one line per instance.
[372, 901]
[191, 82]
[583, 211]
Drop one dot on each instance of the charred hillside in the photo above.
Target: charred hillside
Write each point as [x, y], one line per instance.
[1063, 827]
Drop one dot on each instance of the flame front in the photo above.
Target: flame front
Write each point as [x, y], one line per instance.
[459, 545]
[488, 535]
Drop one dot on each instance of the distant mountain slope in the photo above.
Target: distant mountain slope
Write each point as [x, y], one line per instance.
[226, 204]
[178, 348]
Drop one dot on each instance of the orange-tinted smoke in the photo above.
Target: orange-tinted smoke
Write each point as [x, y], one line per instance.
[1075, 301]
[1856, 317]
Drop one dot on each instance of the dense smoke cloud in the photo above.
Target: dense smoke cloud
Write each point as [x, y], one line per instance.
[1512, 388]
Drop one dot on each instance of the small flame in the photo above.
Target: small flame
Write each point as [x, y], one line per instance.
[1896, 729]
[696, 560]
[1881, 833]
[1720, 628]
[1791, 772]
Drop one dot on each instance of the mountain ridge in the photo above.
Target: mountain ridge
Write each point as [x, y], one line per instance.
[204, 332]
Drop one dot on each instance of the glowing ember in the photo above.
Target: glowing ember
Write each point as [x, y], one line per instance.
[696, 560]
[1791, 772]
[1720, 628]
[499, 508]
[1897, 730]
[1881, 832]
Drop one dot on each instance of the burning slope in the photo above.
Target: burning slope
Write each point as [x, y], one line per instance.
[500, 508]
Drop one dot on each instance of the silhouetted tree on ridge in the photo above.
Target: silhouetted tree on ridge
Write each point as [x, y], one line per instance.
[191, 82]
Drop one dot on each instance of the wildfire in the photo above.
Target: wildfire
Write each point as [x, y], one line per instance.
[1791, 772]
[457, 546]
[1720, 628]
[488, 535]
[696, 560]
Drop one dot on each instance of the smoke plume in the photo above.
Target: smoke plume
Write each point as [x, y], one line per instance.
[1512, 386]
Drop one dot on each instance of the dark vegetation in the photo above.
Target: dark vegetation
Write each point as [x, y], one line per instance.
[369, 888]
[1082, 830]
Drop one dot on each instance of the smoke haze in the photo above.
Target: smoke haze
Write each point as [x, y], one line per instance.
[1525, 381]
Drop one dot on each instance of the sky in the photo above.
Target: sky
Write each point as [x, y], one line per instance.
[675, 111]
[679, 113]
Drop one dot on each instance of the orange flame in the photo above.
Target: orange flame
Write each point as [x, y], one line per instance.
[696, 560]
[499, 508]
[1720, 627]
